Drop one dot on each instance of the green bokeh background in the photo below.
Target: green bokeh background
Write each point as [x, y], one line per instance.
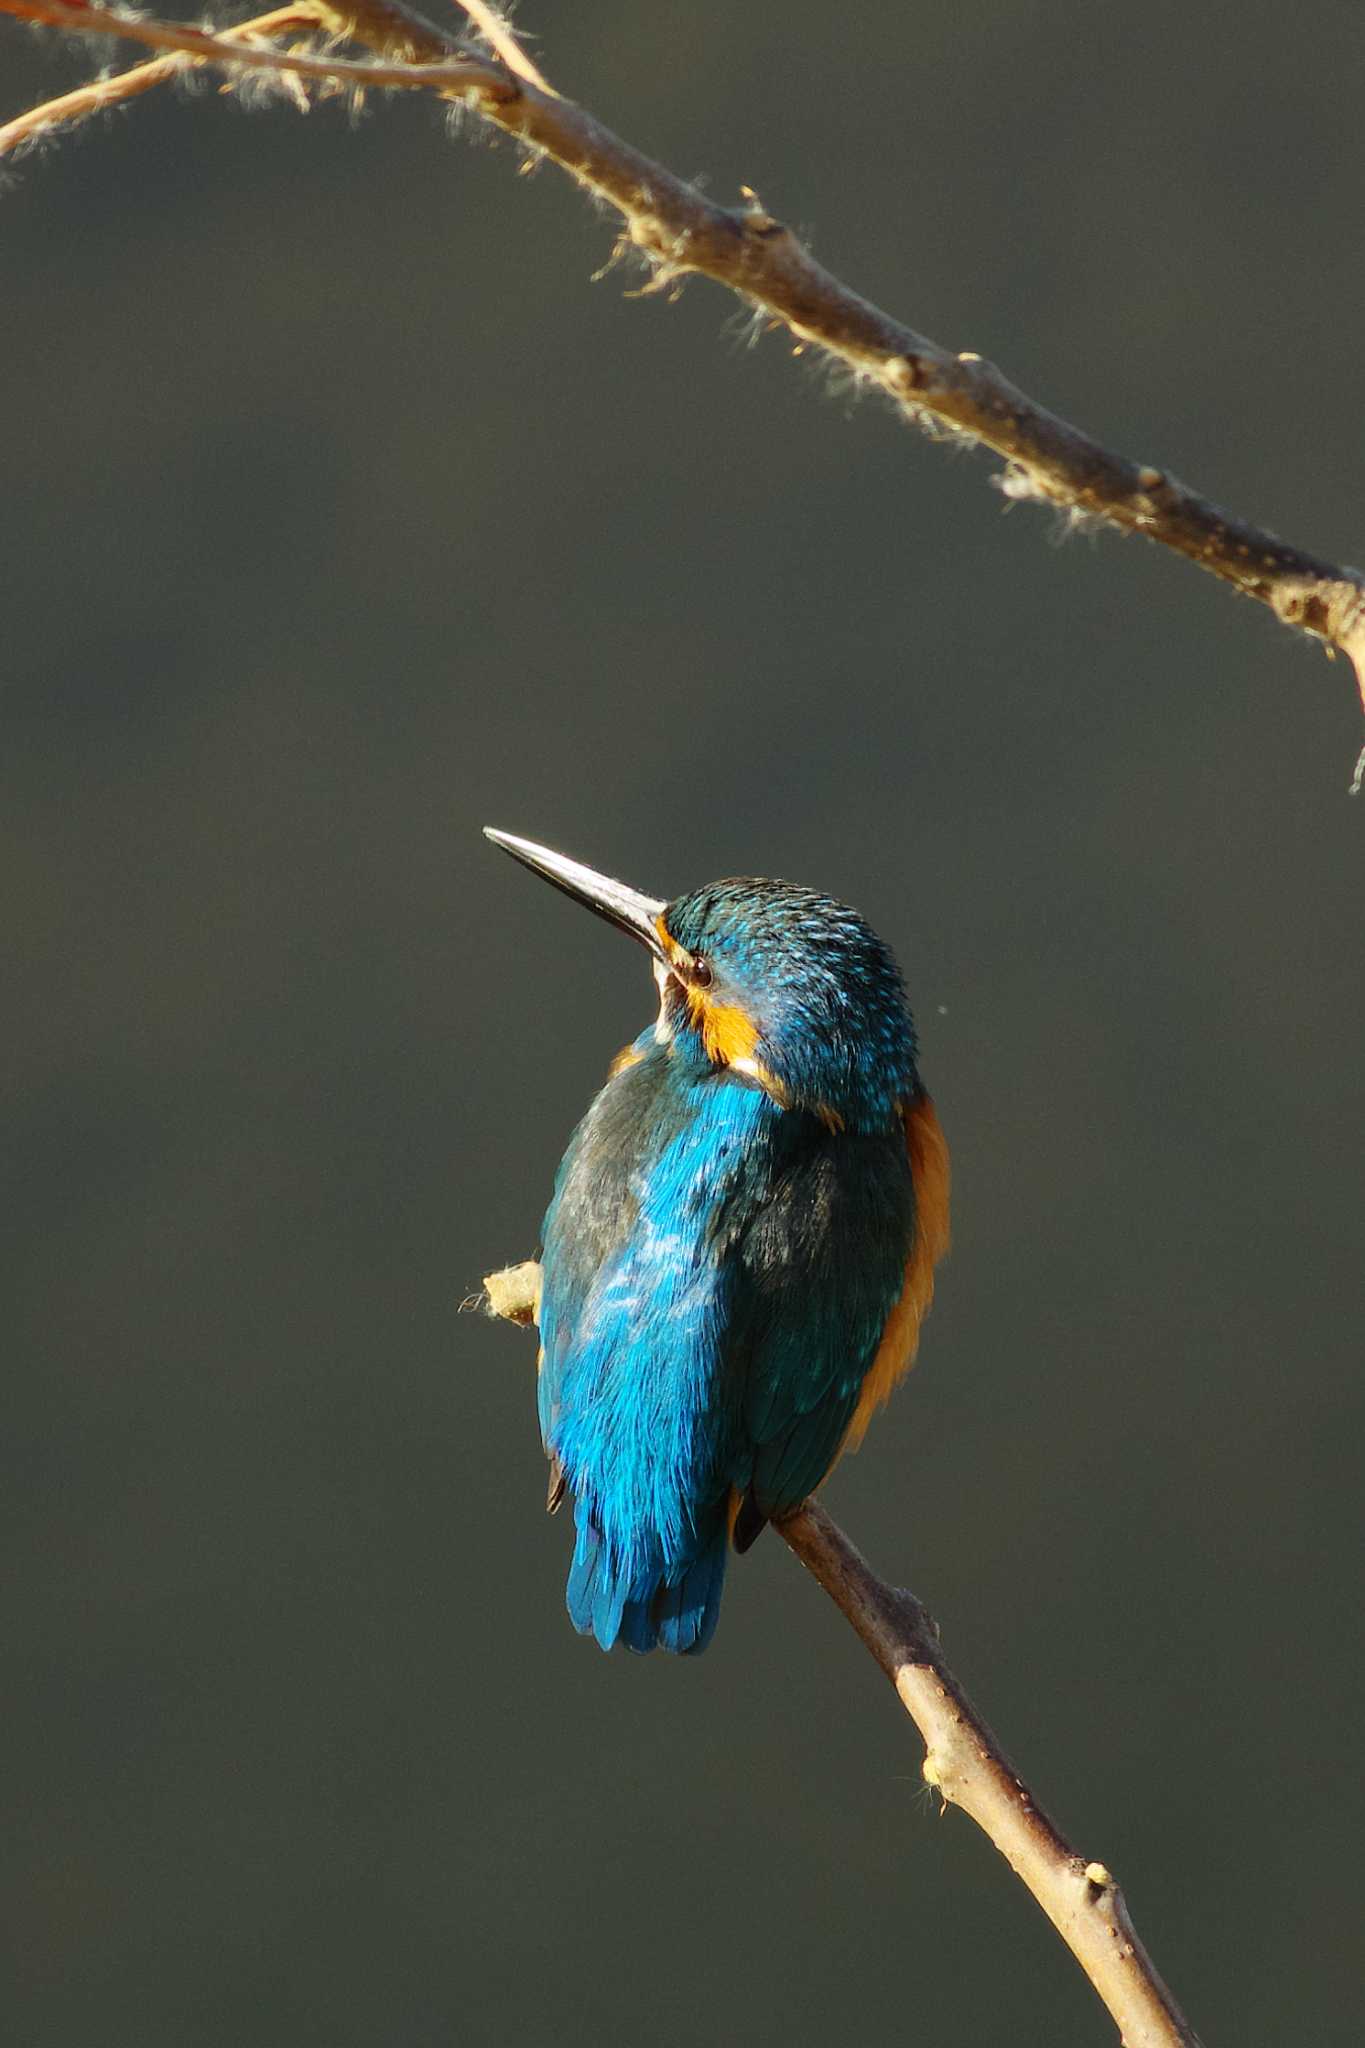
[343, 514]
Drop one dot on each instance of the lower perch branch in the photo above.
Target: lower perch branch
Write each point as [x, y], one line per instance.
[966, 1765]
[963, 1761]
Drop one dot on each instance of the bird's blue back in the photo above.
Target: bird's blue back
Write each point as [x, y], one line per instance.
[718, 1272]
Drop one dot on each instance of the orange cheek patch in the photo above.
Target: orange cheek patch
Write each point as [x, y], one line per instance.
[929, 1169]
[730, 1037]
[726, 1032]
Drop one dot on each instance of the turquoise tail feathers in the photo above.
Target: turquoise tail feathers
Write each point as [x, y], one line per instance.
[645, 1609]
[686, 1612]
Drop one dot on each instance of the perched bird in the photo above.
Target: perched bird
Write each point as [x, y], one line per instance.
[741, 1243]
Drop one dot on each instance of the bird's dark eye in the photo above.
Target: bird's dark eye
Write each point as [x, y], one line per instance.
[701, 976]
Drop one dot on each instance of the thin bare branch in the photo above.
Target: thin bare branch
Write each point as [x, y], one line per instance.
[455, 76]
[967, 1767]
[678, 231]
[70, 108]
[963, 1760]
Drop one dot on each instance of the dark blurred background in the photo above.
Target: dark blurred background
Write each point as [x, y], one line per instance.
[342, 514]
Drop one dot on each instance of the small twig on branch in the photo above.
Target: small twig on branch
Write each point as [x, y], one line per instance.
[963, 1761]
[70, 108]
[678, 231]
[498, 34]
[454, 77]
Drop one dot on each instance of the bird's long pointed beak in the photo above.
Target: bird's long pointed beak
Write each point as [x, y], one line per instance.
[624, 907]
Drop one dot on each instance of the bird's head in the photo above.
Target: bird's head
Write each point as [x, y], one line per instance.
[789, 989]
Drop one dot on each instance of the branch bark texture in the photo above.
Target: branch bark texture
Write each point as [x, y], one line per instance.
[963, 1760]
[966, 1766]
[680, 232]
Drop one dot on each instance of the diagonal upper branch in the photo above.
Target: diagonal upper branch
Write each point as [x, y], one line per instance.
[963, 1760]
[679, 231]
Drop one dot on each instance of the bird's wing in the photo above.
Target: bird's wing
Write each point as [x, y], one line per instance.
[836, 1273]
[656, 1188]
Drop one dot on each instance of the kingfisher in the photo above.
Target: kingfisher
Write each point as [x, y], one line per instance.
[740, 1247]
